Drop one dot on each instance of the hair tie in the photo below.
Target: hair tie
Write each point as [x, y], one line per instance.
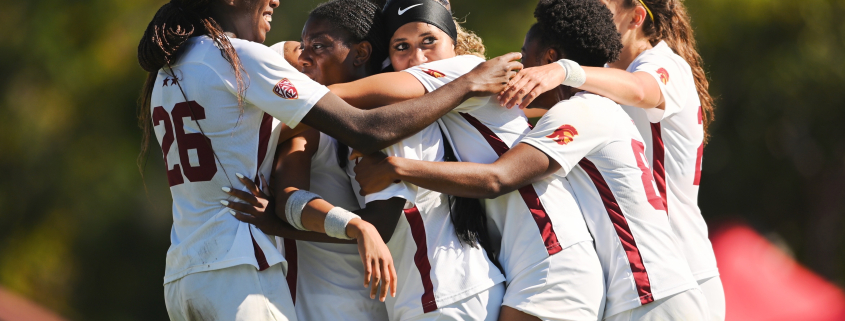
[647, 10]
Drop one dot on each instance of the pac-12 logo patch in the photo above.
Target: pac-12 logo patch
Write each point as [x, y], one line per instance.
[664, 75]
[564, 135]
[285, 89]
[433, 73]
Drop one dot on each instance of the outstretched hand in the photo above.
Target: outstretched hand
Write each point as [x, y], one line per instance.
[530, 83]
[490, 77]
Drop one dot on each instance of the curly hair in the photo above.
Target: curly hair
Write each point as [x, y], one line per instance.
[469, 43]
[582, 30]
[362, 21]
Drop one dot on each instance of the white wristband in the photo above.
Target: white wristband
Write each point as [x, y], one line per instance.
[296, 203]
[575, 75]
[336, 221]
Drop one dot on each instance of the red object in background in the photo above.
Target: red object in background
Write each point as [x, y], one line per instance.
[764, 284]
[15, 308]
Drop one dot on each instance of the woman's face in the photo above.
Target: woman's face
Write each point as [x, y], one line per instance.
[416, 43]
[249, 19]
[325, 57]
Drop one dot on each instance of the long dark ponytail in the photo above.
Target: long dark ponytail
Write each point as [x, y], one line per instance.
[173, 24]
[671, 24]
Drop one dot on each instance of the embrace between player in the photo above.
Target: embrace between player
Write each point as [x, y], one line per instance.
[571, 225]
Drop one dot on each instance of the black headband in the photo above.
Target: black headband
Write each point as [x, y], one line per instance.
[397, 13]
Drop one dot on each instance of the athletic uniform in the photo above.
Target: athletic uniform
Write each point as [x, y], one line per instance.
[601, 153]
[440, 278]
[674, 146]
[209, 247]
[329, 278]
[546, 250]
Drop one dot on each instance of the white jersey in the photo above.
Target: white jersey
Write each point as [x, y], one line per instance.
[199, 161]
[535, 221]
[674, 146]
[614, 186]
[433, 267]
[324, 273]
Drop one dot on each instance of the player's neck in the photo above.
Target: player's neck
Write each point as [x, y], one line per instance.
[630, 51]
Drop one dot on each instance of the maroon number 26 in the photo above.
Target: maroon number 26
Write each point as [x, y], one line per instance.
[175, 132]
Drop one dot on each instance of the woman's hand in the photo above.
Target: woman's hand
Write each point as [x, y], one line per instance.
[375, 173]
[258, 209]
[530, 83]
[490, 77]
[379, 271]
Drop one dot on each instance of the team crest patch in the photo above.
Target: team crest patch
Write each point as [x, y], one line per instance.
[664, 75]
[564, 135]
[433, 73]
[285, 89]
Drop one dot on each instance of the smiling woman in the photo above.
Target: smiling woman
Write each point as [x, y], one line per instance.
[201, 55]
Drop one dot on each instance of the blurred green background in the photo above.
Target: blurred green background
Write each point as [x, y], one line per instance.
[80, 235]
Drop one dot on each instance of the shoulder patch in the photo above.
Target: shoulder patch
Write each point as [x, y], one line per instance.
[285, 89]
[664, 75]
[433, 73]
[564, 135]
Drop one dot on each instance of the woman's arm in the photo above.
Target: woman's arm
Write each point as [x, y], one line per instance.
[519, 167]
[379, 90]
[293, 170]
[638, 89]
[371, 130]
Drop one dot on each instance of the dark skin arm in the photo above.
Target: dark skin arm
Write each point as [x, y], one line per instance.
[372, 130]
[293, 170]
[519, 167]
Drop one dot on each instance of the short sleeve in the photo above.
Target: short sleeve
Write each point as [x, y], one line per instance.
[567, 133]
[671, 79]
[275, 86]
[427, 145]
[434, 75]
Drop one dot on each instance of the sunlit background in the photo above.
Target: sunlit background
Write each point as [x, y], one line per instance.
[81, 235]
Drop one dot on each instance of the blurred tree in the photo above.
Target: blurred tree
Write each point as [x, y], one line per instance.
[79, 233]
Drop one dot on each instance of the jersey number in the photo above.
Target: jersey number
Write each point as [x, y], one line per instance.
[648, 179]
[185, 142]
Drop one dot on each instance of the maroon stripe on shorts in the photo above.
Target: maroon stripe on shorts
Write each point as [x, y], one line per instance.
[528, 193]
[293, 266]
[623, 231]
[421, 258]
[659, 159]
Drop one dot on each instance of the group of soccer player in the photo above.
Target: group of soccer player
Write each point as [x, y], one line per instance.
[382, 169]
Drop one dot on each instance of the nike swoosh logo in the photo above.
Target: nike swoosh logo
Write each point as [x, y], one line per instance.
[401, 11]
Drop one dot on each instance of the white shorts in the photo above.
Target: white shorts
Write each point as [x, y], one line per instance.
[236, 293]
[715, 295]
[330, 284]
[689, 305]
[483, 306]
[568, 285]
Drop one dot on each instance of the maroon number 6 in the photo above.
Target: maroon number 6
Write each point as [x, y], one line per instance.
[206, 169]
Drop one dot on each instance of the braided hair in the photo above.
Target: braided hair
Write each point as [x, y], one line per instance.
[173, 24]
[581, 30]
[362, 21]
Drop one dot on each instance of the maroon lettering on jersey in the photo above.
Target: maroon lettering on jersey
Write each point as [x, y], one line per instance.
[664, 75]
[285, 89]
[564, 135]
[433, 73]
